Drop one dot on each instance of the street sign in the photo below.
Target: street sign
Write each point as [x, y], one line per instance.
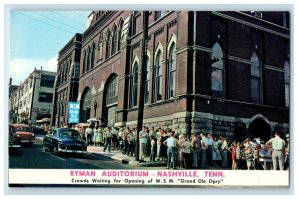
[73, 110]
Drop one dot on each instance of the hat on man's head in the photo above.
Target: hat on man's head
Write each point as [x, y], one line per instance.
[287, 135]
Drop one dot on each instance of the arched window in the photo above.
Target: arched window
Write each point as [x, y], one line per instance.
[112, 92]
[120, 33]
[88, 59]
[255, 79]
[147, 86]
[287, 83]
[134, 90]
[171, 72]
[108, 41]
[84, 62]
[100, 47]
[157, 77]
[114, 41]
[217, 71]
[93, 56]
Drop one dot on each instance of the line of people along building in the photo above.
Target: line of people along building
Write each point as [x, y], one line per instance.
[199, 151]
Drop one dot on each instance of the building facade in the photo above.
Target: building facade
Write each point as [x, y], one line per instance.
[67, 79]
[32, 101]
[220, 72]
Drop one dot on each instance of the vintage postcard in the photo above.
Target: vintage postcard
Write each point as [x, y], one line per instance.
[172, 98]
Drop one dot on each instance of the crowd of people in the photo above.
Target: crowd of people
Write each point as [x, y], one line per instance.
[197, 151]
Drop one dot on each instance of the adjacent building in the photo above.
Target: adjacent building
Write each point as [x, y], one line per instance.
[220, 72]
[67, 80]
[32, 100]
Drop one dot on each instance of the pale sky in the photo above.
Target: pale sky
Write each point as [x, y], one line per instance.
[36, 37]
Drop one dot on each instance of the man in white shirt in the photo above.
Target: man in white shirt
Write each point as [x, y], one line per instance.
[108, 135]
[88, 135]
[278, 146]
[143, 134]
[172, 144]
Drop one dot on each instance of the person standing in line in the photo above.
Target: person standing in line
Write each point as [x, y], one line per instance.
[196, 146]
[216, 152]
[94, 135]
[238, 156]
[153, 149]
[187, 149]
[163, 148]
[101, 136]
[204, 147]
[180, 150]
[232, 150]
[249, 158]
[278, 146]
[287, 153]
[143, 134]
[131, 143]
[223, 150]
[158, 142]
[171, 143]
[108, 136]
[89, 134]
[209, 152]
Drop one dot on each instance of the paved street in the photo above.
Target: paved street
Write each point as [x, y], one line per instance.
[34, 158]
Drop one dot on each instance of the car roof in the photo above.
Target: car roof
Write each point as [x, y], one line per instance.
[19, 125]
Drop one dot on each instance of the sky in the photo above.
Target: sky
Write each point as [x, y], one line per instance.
[37, 36]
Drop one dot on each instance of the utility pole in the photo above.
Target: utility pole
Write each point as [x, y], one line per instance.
[142, 78]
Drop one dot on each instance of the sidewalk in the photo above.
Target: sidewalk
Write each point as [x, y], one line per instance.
[125, 159]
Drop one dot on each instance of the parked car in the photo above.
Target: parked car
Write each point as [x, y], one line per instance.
[25, 133]
[14, 140]
[64, 140]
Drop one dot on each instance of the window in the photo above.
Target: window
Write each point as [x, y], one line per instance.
[84, 62]
[114, 41]
[120, 34]
[112, 91]
[171, 72]
[45, 97]
[93, 56]
[66, 71]
[158, 77]
[100, 47]
[255, 79]
[108, 44]
[158, 14]
[147, 80]
[47, 81]
[134, 90]
[217, 71]
[88, 59]
[287, 83]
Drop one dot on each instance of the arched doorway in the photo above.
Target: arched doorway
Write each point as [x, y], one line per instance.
[85, 105]
[260, 128]
[111, 100]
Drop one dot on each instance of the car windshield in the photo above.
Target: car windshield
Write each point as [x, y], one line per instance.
[68, 133]
[26, 129]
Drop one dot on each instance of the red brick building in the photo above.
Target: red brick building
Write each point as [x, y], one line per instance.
[220, 72]
[67, 80]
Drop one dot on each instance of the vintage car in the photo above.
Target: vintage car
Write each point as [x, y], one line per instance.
[64, 140]
[25, 133]
[14, 140]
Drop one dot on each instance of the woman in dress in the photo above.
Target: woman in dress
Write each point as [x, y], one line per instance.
[163, 148]
[232, 150]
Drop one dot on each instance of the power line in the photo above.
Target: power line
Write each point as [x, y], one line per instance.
[68, 18]
[77, 30]
[43, 22]
[79, 14]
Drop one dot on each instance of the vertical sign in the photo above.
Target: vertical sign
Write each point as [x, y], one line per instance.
[73, 110]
